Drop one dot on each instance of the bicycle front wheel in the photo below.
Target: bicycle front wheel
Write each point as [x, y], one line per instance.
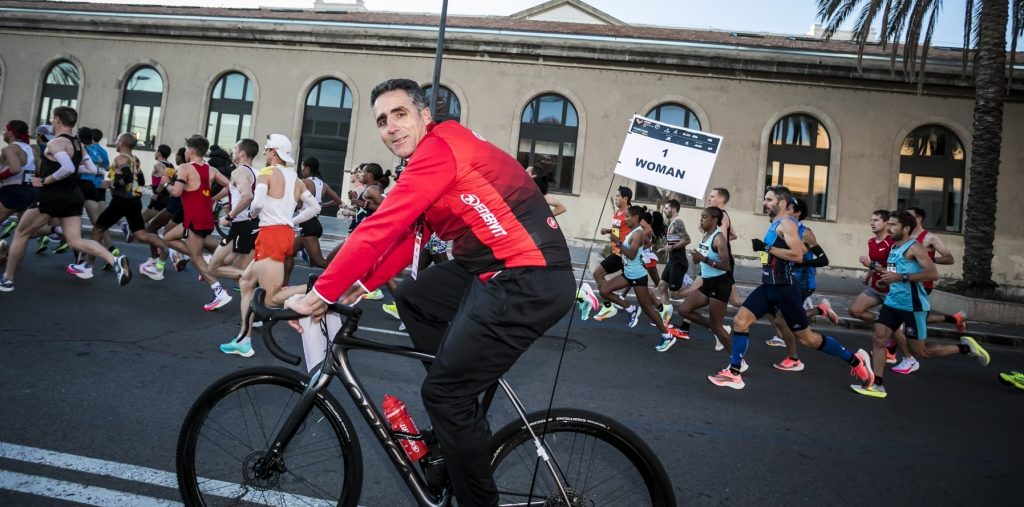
[601, 461]
[231, 427]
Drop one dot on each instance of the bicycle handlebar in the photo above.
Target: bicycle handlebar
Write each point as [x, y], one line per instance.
[271, 316]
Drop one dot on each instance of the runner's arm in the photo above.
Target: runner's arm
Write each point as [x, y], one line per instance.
[942, 254]
[12, 161]
[334, 199]
[311, 208]
[929, 272]
[795, 249]
[820, 260]
[727, 226]
[557, 208]
[245, 196]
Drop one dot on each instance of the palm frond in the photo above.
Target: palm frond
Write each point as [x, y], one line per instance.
[936, 8]
[834, 13]
[883, 33]
[862, 28]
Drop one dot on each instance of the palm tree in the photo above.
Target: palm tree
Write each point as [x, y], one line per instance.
[985, 21]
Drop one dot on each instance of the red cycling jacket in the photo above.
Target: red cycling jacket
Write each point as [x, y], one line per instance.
[469, 192]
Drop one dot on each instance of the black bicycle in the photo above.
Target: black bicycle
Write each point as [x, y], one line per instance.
[273, 436]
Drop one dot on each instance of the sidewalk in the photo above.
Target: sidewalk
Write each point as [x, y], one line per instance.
[833, 285]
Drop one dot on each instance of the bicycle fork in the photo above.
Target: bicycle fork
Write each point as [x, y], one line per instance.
[272, 461]
[542, 450]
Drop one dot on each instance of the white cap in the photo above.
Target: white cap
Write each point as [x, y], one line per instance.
[282, 145]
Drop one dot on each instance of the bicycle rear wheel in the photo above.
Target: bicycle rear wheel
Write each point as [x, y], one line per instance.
[231, 426]
[601, 461]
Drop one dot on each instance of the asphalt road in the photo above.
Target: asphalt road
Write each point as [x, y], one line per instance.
[97, 380]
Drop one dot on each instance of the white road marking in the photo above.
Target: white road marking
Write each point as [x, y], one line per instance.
[74, 492]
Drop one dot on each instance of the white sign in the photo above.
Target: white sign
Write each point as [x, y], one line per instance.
[668, 156]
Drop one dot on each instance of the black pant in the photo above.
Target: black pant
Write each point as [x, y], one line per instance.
[478, 331]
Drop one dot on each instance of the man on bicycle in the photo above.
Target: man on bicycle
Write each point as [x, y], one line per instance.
[510, 281]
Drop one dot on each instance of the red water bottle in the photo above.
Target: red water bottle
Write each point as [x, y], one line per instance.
[398, 418]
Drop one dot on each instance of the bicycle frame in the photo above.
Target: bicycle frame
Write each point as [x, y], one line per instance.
[337, 364]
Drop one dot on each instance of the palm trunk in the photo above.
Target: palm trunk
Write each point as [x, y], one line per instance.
[990, 87]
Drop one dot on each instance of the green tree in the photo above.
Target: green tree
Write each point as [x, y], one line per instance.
[985, 27]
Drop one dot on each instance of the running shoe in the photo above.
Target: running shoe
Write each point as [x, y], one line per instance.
[8, 228]
[634, 315]
[775, 342]
[827, 311]
[726, 378]
[83, 271]
[584, 309]
[62, 247]
[789, 364]
[606, 312]
[890, 356]
[128, 237]
[241, 349]
[178, 260]
[666, 343]
[122, 270]
[907, 366]
[678, 333]
[116, 252]
[872, 390]
[666, 313]
[718, 343]
[219, 301]
[863, 370]
[374, 295]
[43, 242]
[5, 284]
[977, 351]
[744, 366]
[961, 321]
[152, 271]
[391, 309]
[586, 294]
[1013, 379]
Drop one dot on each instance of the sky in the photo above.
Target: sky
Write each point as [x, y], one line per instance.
[791, 17]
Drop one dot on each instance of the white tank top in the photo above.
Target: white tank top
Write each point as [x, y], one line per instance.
[318, 186]
[28, 170]
[234, 196]
[279, 211]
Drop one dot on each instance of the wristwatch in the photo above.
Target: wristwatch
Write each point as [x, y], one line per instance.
[906, 277]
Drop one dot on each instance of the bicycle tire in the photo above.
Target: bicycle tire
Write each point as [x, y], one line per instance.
[629, 472]
[218, 476]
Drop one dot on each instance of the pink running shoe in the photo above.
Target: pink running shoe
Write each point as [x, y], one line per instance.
[789, 364]
[726, 378]
[863, 370]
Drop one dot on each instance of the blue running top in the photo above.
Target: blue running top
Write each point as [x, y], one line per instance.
[909, 296]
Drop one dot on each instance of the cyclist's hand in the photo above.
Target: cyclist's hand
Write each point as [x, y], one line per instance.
[310, 304]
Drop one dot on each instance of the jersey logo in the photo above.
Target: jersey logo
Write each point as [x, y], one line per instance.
[552, 223]
[489, 219]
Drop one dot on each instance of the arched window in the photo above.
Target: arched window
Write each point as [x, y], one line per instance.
[59, 89]
[547, 139]
[326, 120]
[680, 116]
[448, 106]
[230, 110]
[140, 106]
[932, 167]
[798, 157]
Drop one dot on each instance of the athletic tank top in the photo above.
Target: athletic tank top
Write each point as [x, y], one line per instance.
[279, 211]
[47, 167]
[802, 273]
[234, 196]
[706, 248]
[133, 188]
[776, 271]
[619, 228]
[929, 251]
[909, 296]
[28, 169]
[318, 189]
[878, 251]
[633, 268]
[155, 180]
[198, 204]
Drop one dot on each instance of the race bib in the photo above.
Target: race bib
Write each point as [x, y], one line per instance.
[764, 258]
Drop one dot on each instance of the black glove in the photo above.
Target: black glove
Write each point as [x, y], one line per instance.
[758, 245]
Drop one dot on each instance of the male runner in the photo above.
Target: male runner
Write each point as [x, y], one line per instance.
[874, 294]
[17, 167]
[907, 305]
[676, 240]
[60, 198]
[511, 278]
[613, 263]
[780, 250]
[235, 250]
[940, 255]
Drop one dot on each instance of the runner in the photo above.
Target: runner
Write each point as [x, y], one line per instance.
[780, 249]
[192, 184]
[510, 281]
[278, 192]
[168, 218]
[712, 255]
[613, 263]
[235, 250]
[311, 230]
[160, 167]
[557, 208]
[674, 275]
[59, 197]
[909, 266]
[17, 168]
[874, 294]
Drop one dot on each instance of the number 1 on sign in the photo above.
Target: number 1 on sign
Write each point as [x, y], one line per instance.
[665, 152]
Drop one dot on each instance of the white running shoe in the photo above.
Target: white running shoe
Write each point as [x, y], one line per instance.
[82, 271]
[907, 366]
[634, 315]
[775, 342]
[718, 343]
[218, 301]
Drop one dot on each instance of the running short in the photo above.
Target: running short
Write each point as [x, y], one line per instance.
[915, 323]
[119, 207]
[786, 298]
[242, 236]
[639, 282]
[612, 264]
[61, 203]
[872, 293]
[174, 208]
[675, 274]
[17, 197]
[311, 228]
[202, 233]
[88, 189]
[717, 287]
[275, 242]
[178, 216]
